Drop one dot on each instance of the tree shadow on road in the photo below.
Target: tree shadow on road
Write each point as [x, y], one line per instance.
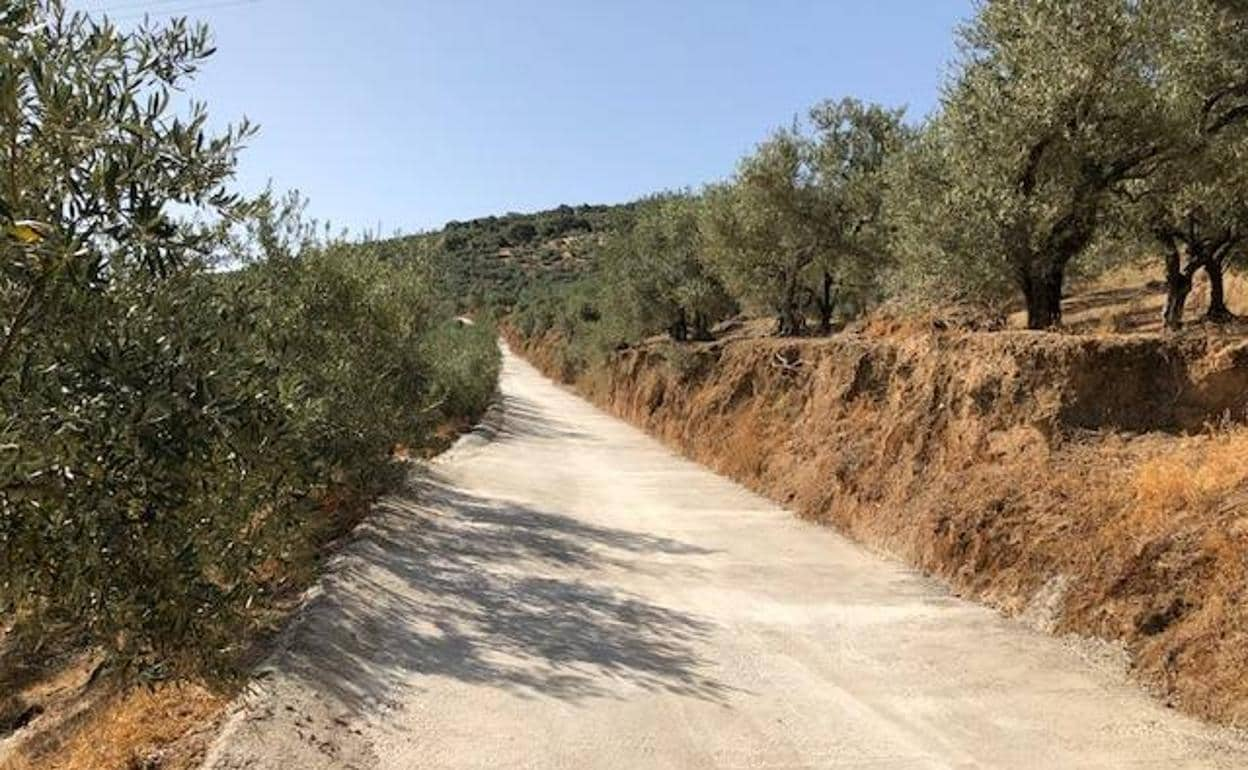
[440, 583]
[526, 419]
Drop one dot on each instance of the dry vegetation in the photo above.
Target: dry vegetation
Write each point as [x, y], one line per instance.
[1131, 299]
[1091, 483]
[167, 726]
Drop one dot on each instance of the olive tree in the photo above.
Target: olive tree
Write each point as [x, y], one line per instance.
[654, 272]
[132, 414]
[1197, 211]
[176, 440]
[765, 229]
[855, 141]
[802, 217]
[1196, 206]
[1049, 114]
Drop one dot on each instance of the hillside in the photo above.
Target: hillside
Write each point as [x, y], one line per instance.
[490, 261]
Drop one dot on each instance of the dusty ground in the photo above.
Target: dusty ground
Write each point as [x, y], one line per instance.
[564, 592]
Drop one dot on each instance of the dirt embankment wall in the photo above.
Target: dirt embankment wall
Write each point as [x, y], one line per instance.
[1076, 481]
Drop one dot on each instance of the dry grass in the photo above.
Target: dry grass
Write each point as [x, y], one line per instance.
[1195, 477]
[1130, 300]
[163, 727]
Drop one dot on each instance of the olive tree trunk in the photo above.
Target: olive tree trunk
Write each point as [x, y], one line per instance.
[1178, 287]
[790, 315]
[790, 321]
[827, 304]
[701, 327]
[1218, 311]
[1042, 290]
[679, 330]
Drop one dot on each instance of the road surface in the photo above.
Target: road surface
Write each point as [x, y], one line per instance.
[560, 591]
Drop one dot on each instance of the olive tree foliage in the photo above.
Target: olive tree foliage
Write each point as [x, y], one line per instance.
[653, 273]
[1203, 61]
[342, 328]
[1050, 113]
[937, 257]
[122, 386]
[802, 216]
[91, 151]
[855, 142]
[172, 437]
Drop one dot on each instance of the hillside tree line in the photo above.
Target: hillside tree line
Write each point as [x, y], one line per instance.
[1069, 137]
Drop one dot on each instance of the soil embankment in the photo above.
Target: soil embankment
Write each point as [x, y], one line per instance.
[1095, 485]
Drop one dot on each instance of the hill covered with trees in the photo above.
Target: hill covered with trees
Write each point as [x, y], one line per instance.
[487, 263]
[1071, 139]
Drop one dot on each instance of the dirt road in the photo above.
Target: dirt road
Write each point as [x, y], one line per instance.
[565, 593]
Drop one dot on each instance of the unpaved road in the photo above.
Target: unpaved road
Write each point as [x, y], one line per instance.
[569, 594]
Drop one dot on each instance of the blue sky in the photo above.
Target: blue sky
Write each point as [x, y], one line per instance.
[412, 113]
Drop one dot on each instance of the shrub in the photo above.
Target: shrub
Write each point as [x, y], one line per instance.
[521, 233]
[463, 363]
[172, 436]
